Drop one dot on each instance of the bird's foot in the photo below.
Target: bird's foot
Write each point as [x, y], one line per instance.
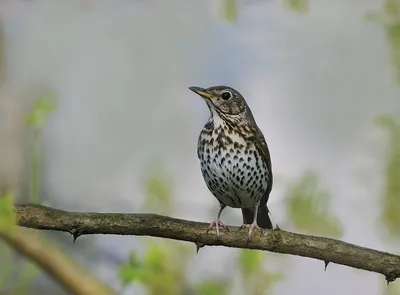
[216, 224]
[251, 227]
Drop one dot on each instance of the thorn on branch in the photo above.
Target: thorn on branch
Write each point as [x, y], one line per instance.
[198, 246]
[326, 264]
[76, 233]
[390, 277]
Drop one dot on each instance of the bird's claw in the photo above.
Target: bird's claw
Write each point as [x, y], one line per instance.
[251, 227]
[216, 224]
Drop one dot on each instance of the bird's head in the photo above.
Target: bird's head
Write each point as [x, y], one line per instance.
[223, 100]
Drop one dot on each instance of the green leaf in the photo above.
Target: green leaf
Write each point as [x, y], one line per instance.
[393, 36]
[129, 274]
[391, 190]
[7, 214]
[133, 259]
[131, 271]
[391, 8]
[309, 207]
[230, 10]
[256, 279]
[163, 270]
[212, 287]
[299, 6]
[250, 261]
[389, 18]
[42, 108]
[155, 258]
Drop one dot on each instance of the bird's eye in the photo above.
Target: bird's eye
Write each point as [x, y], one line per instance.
[226, 95]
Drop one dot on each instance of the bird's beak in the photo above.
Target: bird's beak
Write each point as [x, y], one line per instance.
[202, 92]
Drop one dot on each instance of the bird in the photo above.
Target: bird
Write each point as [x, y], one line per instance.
[234, 158]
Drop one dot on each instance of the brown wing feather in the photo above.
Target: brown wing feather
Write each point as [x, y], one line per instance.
[262, 146]
[263, 219]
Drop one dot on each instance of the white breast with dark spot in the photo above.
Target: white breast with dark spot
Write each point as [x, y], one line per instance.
[237, 177]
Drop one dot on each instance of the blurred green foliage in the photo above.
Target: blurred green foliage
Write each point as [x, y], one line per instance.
[7, 215]
[162, 268]
[11, 264]
[230, 11]
[391, 194]
[257, 280]
[392, 289]
[41, 111]
[389, 18]
[158, 189]
[213, 287]
[132, 270]
[26, 270]
[300, 6]
[309, 207]
[36, 120]
[160, 271]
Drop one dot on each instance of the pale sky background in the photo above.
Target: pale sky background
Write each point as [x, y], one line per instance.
[120, 69]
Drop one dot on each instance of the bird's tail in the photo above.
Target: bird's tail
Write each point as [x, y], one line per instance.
[263, 219]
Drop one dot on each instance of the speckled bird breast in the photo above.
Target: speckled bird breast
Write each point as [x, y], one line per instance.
[232, 168]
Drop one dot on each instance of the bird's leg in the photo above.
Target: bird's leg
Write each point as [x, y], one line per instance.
[217, 222]
[254, 225]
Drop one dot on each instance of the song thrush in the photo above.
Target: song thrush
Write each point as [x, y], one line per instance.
[235, 160]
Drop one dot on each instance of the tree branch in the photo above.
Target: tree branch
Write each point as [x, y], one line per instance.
[71, 276]
[279, 241]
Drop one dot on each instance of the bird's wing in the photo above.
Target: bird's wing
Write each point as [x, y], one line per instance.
[262, 146]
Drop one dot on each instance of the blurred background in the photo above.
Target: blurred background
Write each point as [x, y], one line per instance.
[95, 115]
